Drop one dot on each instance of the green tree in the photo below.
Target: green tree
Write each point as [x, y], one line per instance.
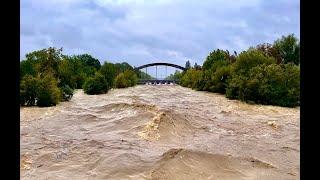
[215, 56]
[268, 84]
[29, 87]
[126, 79]
[196, 66]
[96, 85]
[143, 75]
[176, 76]
[289, 49]
[48, 93]
[67, 92]
[249, 59]
[122, 67]
[89, 61]
[27, 67]
[39, 90]
[269, 50]
[108, 70]
[66, 74]
[46, 60]
[191, 78]
[241, 68]
[218, 81]
[131, 76]
[121, 82]
[188, 65]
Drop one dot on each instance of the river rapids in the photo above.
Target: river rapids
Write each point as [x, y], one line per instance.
[159, 132]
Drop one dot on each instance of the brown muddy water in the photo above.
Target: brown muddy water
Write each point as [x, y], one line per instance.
[159, 132]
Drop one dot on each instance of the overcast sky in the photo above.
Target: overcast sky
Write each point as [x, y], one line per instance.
[145, 31]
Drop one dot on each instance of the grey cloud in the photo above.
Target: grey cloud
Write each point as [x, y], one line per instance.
[142, 31]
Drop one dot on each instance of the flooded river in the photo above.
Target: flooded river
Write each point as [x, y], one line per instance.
[159, 132]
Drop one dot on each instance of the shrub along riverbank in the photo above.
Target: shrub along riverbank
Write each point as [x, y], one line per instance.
[48, 77]
[265, 74]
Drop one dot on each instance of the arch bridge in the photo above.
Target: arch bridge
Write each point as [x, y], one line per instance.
[157, 81]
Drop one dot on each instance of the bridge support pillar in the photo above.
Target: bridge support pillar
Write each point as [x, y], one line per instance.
[156, 72]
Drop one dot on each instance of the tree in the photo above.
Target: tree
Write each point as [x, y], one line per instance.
[67, 74]
[218, 80]
[126, 79]
[88, 60]
[29, 86]
[176, 76]
[80, 71]
[48, 93]
[289, 49]
[268, 50]
[67, 92]
[249, 59]
[268, 84]
[188, 65]
[121, 67]
[215, 56]
[39, 90]
[192, 78]
[96, 85]
[45, 60]
[196, 66]
[143, 75]
[108, 70]
[27, 67]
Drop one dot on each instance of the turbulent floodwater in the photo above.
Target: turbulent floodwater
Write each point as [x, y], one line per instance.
[159, 132]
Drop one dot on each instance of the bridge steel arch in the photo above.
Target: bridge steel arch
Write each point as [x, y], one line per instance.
[160, 64]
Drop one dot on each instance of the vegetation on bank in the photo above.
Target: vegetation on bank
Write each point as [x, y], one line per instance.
[126, 79]
[265, 74]
[48, 77]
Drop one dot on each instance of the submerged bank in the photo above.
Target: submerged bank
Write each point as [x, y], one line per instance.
[159, 132]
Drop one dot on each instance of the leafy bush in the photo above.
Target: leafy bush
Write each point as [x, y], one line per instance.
[96, 85]
[67, 92]
[89, 61]
[192, 78]
[41, 91]
[176, 76]
[249, 59]
[266, 74]
[121, 82]
[122, 67]
[45, 60]
[27, 68]
[108, 70]
[268, 84]
[66, 74]
[210, 76]
[289, 49]
[215, 56]
[29, 90]
[48, 93]
[219, 79]
[132, 77]
[126, 79]
[269, 50]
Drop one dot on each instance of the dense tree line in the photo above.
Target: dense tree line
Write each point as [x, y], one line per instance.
[265, 74]
[48, 77]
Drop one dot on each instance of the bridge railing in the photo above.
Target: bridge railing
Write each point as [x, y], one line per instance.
[157, 81]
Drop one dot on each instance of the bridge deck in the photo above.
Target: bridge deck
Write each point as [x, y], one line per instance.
[156, 81]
